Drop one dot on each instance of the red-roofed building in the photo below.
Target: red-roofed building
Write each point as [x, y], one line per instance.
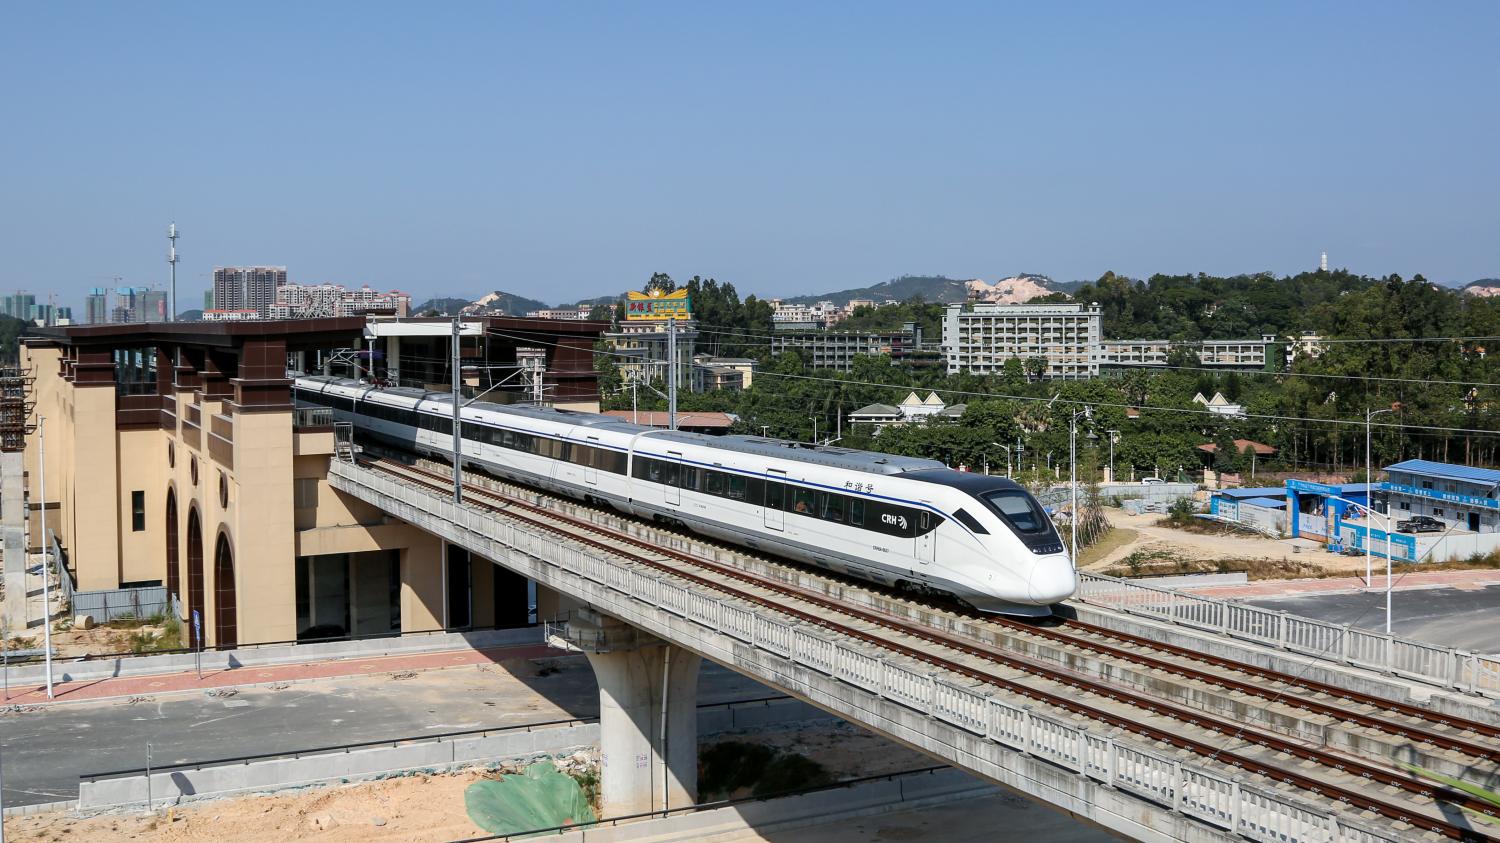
[696, 422]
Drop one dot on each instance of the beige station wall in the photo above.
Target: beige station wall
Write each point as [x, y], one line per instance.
[92, 468]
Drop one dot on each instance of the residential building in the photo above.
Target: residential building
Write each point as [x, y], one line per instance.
[565, 313]
[247, 287]
[307, 301]
[96, 306]
[979, 338]
[1219, 405]
[1217, 354]
[19, 305]
[837, 349]
[640, 351]
[230, 315]
[1308, 345]
[711, 374]
[911, 410]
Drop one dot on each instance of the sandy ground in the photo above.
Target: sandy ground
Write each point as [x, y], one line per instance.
[418, 808]
[415, 808]
[1230, 546]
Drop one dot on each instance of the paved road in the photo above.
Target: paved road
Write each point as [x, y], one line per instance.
[1000, 816]
[1452, 617]
[45, 751]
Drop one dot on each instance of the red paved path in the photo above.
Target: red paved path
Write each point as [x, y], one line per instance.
[166, 683]
[1400, 582]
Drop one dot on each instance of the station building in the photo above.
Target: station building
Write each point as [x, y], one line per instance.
[1461, 496]
[175, 456]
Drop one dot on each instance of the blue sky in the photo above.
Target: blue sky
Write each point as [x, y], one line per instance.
[568, 150]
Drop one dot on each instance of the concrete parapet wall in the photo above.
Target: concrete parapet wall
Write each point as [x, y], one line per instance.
[63, 671]
[898, 793]
[209, 781]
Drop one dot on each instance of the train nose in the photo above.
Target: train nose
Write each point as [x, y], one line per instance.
[1053, 582]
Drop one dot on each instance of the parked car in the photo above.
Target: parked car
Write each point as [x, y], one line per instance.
[1151, 481]
[1420, 524]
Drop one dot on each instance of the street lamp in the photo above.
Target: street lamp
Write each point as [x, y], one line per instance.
[1007, 458]
[1369, 478]
[1086, 413]
[1388, 530]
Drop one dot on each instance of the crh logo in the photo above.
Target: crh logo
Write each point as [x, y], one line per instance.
[894, 520]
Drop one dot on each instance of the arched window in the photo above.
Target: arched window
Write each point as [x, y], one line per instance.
[226, 623]
[174, 576]
[194, 572]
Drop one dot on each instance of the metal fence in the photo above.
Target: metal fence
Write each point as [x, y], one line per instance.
[1426, 662]
[64, 576]
[1219, 799]
[1163, 493]
[122, 603]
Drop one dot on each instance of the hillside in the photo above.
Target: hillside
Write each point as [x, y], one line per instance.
[940, 288]
[1483, 287]
[497, 303]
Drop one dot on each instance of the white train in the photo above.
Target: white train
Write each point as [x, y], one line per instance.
[898, 521]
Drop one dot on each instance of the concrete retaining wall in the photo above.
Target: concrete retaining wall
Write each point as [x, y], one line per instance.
[899, 793]
[181, 785]
[274, 654]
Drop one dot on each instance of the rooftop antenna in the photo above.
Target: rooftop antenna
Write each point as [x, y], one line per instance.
[172, 260]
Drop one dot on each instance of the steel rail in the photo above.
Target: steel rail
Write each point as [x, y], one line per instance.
[1403, 781]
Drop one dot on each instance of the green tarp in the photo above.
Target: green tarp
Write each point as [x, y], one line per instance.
[540, 798]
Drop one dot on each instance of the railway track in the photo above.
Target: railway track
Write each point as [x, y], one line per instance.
[1343, 777]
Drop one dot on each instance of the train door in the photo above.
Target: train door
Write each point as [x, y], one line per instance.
[926, 536]
[671, 478]
[590, 462]
[773, 507]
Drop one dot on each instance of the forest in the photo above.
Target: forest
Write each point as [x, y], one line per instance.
[1407, 346]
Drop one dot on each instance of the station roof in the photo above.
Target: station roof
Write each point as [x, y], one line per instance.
[1448, 471]
[1246, 493]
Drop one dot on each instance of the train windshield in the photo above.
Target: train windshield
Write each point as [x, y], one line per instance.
[1020, 510]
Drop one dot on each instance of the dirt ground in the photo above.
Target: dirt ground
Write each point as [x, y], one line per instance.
[419, 808]
[1159, 546]
[415, 808]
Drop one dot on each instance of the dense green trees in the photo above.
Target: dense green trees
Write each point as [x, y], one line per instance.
[1388, 342]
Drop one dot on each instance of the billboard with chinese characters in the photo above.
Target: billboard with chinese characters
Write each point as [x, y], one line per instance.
[657, 306]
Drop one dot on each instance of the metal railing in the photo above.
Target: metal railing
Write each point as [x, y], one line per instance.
[122, 603]
[1217, 798]
[1448, 667]
[312, 417]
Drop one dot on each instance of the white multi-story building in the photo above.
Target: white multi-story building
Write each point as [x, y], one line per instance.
[981, 337]
[305, 301]
[568, 314]
[1218, 354]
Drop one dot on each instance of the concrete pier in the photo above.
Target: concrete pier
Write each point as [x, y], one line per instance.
[13, 535]
[648, 715]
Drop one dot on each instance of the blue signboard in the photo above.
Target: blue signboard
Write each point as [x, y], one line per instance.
[1434, 494]
[1315, 488]
[197, 626]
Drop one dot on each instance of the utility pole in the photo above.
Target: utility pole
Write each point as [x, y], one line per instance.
[672, 373]
[458, 459]
[172, 260]
[46, 552]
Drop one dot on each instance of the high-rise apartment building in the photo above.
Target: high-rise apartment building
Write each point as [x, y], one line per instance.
[96, 306]
[247, 287]
[20, 305]
[302, 301]
[981, 337]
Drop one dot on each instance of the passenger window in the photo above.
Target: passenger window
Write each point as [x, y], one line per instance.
[736, 487]
[833, 508]
[715, 483]
[857, 512]
[774, 492]
[802, 501]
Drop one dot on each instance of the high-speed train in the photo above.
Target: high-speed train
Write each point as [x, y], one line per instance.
[898, 521]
